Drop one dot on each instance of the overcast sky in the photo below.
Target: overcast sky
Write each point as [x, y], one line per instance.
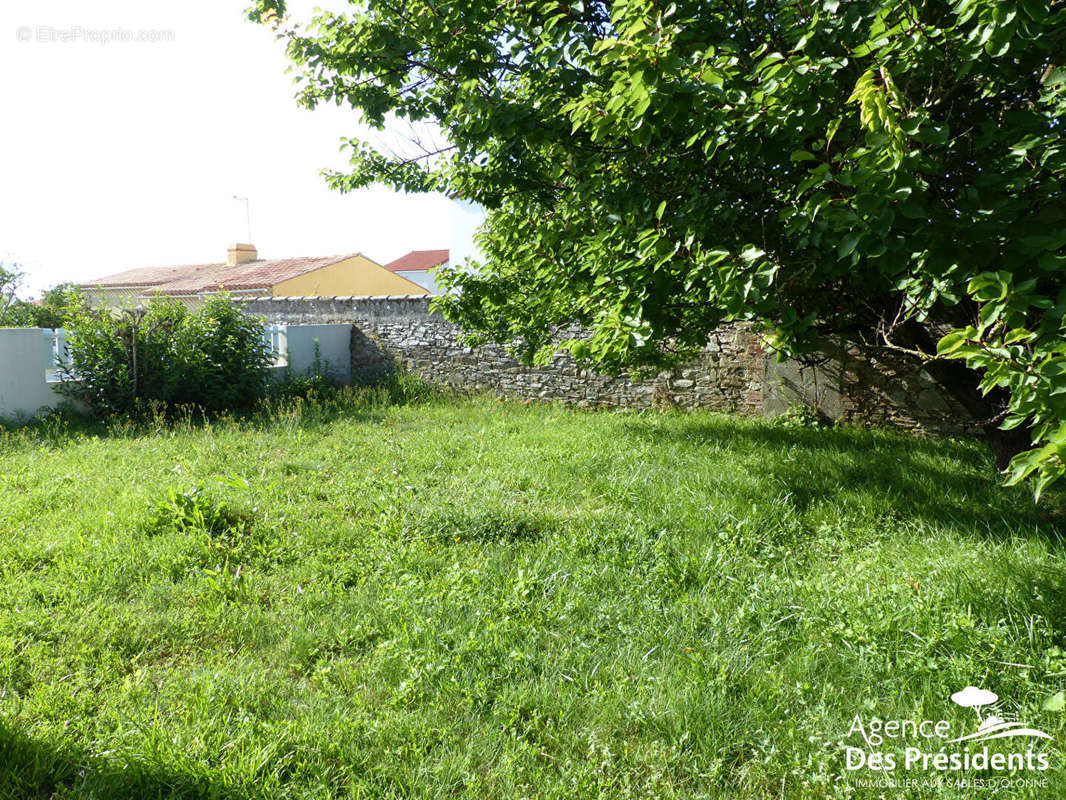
[126, 154]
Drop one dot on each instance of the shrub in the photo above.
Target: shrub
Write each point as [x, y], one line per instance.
[122, 362]
[227, 361]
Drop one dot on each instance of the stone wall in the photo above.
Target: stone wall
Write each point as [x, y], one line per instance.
[734, 372]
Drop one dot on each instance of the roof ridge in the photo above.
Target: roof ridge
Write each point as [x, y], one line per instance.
[420, 260]
[160, 276]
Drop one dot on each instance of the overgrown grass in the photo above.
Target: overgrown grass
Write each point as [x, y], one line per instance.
[355, 598]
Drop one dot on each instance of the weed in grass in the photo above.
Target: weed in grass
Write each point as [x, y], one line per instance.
[801, 417]
[182, 511]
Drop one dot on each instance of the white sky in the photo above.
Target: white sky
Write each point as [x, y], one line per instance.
[128, 154]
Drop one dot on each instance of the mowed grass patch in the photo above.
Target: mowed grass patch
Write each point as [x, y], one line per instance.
[484, 599]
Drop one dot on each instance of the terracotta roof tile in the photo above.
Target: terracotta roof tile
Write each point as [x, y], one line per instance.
[418, 260]
[196, 278]
[149, 276]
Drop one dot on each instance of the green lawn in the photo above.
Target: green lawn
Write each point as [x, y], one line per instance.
[490, 600]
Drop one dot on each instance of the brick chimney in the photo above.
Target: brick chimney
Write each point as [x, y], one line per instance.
[241, 254]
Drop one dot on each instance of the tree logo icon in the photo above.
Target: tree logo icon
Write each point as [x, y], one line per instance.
[993, 726]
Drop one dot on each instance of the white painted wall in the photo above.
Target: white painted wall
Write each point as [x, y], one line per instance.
[466, 219]
[25, 355]
[334, 347]
[423, 277]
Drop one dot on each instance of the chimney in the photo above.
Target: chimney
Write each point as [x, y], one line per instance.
[241, 254]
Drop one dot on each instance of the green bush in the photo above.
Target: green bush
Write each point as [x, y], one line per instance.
[122, 362]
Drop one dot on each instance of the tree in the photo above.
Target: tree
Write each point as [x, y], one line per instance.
[57, 306]
[880, 173]
[52, 311]
[11, 308]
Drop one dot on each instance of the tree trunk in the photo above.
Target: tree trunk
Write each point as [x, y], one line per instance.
[963, 385]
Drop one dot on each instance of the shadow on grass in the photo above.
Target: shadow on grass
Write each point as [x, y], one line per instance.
[936, 480]
[1023, 591]
[34, 769]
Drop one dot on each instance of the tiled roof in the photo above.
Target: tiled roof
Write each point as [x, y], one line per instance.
[196, 278]
[418, 260]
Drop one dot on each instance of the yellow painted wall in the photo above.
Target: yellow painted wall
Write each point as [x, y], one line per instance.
[357, 275]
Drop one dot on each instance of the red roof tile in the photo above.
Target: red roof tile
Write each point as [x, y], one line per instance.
[196, 278]
[418, 260]
[149, 276]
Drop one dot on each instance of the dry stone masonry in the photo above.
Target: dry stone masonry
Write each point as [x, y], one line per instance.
[733, 373]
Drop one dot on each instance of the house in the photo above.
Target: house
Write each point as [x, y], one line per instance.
[418, 267]
[245, 274]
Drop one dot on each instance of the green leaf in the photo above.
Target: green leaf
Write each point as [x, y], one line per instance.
[1017, 335]
[831, 131]
[847, 244]
[1055, 77]
[1056, 703]
[950, 343]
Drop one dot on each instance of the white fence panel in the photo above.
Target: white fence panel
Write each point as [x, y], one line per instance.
[276, 342]
[58, 355]
[324, 347]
